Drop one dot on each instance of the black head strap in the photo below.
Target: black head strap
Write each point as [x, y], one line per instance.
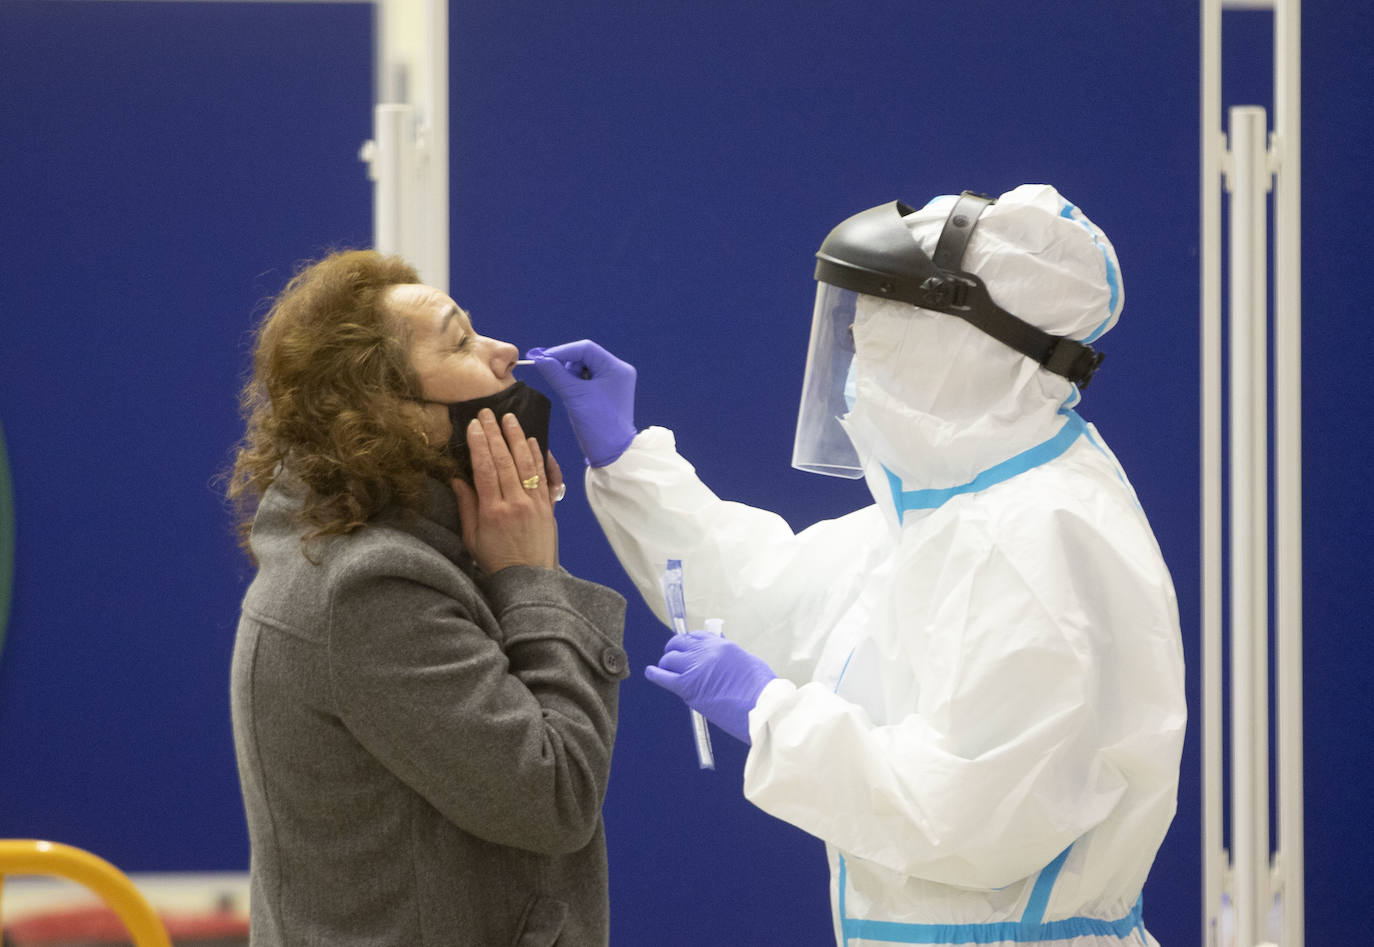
[875, 253]
[1063, 356]
[949, 249]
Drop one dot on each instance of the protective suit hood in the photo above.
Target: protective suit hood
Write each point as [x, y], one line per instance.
[940, 407]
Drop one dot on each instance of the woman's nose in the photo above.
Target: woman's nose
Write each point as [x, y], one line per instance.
[502, 357]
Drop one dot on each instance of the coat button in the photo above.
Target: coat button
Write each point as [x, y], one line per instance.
[613, 660]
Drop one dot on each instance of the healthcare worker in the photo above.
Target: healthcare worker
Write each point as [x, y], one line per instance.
[971, 690]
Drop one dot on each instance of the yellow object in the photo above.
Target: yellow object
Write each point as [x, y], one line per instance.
[34, 857]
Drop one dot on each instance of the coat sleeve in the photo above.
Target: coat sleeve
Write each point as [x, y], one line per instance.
[741, 564]
[1048, 687]
[509, 736]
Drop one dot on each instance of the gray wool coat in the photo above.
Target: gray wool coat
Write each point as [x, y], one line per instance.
[423, 751]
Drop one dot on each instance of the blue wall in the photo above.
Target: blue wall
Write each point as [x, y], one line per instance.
[656, 176]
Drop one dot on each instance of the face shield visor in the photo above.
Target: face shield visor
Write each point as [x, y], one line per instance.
[874, 253]
[821, 445]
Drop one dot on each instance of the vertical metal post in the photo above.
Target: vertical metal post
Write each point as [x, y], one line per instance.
[434, 132]
[1248, 326]
[408, 155]
[1214, 859]
[391, 166]
[1287, 151]
[1253, 881]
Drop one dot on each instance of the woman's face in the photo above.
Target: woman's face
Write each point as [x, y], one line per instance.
[452, 361]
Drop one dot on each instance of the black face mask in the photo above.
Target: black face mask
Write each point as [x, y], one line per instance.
[530, 407]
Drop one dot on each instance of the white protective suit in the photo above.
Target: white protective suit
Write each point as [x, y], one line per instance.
[980, 702]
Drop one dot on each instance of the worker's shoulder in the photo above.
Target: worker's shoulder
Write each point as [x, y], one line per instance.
[1080, 510]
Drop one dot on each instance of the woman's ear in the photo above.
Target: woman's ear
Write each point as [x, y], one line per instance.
[430, 421]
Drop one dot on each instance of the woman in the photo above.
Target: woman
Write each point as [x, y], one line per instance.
[424, 704]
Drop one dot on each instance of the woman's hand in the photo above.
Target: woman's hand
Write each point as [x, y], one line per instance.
[507, 511]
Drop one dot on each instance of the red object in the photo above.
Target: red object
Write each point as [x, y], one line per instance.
[100, 927]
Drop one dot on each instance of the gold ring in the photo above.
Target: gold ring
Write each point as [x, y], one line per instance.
[530, 483]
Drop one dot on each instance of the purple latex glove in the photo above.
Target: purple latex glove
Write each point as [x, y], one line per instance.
[717, 678]
[598, 391]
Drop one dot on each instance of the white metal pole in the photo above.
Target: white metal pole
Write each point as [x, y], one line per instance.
[1253, 881]
[1213, 149]
[436, 196]
[1249, 695]
[412, 73]
[391, 159]
[1257, 192]
[1288, 463]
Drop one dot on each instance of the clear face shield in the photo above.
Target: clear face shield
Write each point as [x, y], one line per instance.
[822, 446]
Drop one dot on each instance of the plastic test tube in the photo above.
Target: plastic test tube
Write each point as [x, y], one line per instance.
[701, 732]
[677, 615]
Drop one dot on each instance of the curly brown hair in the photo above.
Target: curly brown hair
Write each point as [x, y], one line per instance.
[330, 399]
